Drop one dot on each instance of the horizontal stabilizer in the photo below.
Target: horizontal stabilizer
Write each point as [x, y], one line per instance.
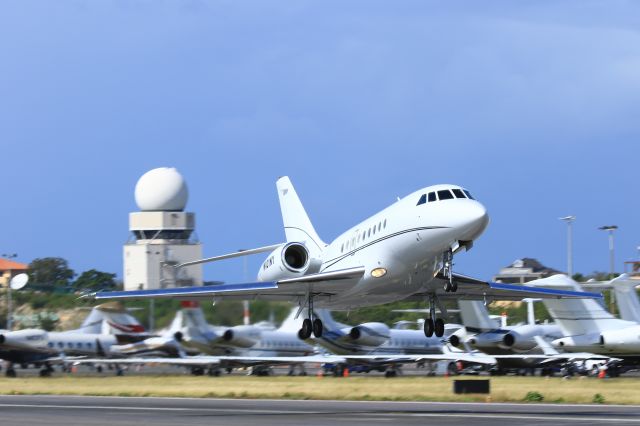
[238, 253]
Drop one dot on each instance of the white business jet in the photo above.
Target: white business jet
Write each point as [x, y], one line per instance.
[403, 252]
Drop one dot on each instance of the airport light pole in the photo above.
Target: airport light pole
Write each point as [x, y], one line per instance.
[246, 319]
[610, 229]
[569, 220]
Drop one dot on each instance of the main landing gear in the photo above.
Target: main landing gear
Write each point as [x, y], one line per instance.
[433, 326]
[310, 325]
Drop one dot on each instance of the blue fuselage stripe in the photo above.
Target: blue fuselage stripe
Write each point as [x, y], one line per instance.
[550, 291]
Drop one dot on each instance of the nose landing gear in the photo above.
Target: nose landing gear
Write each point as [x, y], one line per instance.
[447, 270]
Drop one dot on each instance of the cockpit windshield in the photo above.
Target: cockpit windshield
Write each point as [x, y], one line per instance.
[444, 194]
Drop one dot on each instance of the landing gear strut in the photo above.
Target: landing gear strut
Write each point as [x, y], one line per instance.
[433, 326]
[310, 325]
[447, 269]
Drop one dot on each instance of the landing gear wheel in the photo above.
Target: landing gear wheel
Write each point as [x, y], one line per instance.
[447, 287]
[454, 286]
[317, 327]
[10, 372]
[439, 327]
[305, 331]
[428, 327]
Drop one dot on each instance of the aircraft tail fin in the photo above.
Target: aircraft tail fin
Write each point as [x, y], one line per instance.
[475, 316]
[626, 297]
[576, 316]
[297, 226]
[291, 323]
[330, 324]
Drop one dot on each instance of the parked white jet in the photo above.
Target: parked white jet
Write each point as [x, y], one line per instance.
[627, 299]
[588, 327]
[481, 333]
[103, 328]
[404, 251]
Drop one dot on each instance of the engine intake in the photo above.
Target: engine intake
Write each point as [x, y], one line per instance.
[368, 334]
[241, 336]
[295, 257]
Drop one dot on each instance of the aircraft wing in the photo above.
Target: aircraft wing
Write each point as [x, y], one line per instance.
[407, 359]
[321, 284]
[227, 361]
[474, 289]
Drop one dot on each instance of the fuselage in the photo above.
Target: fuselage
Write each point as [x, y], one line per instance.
[403, 244]
[33, 345]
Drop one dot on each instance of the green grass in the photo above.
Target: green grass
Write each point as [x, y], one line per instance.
[503, 389]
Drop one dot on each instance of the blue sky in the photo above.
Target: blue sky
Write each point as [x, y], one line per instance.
[534, 106]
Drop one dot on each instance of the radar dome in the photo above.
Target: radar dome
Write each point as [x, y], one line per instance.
[162, 189]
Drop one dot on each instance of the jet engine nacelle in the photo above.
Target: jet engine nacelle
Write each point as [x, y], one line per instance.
[522, 338]
[457, 338]
[582, 343]
[290, 260]
[242, 336]
[625, 340]
[201, 341]
[518, 342]
[486, 340]
[368, 334]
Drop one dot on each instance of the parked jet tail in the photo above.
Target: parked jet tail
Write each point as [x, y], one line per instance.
[297, 226]
[627, 298]
[291, 323]
[475, 316]
[577, 316]
[111, 318]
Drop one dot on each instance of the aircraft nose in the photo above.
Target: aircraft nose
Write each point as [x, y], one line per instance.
[477, 219]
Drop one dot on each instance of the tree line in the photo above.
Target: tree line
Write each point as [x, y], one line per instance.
[53, 274]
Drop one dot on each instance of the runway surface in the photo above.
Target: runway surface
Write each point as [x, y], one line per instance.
[113, 411]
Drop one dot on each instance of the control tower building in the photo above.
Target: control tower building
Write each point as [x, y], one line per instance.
[162, 234]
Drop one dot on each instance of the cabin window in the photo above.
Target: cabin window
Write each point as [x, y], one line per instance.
[60, 345]
[422, 200]
[385, 224]
[445, 194]
[50, 344]
[458, 193]
[432, 197]
[379, 226]
[369, 233]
